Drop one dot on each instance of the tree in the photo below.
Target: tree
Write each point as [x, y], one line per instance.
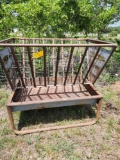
[55, 18]
[76, 15]
[104, 13]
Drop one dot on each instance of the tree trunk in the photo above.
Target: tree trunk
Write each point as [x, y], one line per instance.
[99, 35]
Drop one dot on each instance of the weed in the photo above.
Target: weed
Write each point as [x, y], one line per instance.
[6, 131]
[108, 94]
[118, 129]
[3, 97]
[111, 123]
[4, 141]
[92, 130]
[107, 136]
[28, 140]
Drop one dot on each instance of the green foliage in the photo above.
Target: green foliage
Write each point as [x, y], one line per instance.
[55, 18]
[103, 13]
[110, 29]
[113, 33]
[3, 97]
[116, 55]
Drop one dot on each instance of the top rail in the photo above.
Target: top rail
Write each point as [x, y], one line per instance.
[51, 38]
[58, 45]
[79, 39]
[85, 39]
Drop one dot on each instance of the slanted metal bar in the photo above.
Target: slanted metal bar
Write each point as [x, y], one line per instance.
[17, 65]
[91, 64]
[7, 40]
[97, 41]
[72, 64]
[57, 63]
[44, 56]
[80, 65]
[9, 80]
[71, 53]
[31, 66]
[113, 49]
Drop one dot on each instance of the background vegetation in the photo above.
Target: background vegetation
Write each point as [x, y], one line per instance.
[56, 18]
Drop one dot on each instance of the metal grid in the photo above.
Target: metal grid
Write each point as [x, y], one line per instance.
[65, 61]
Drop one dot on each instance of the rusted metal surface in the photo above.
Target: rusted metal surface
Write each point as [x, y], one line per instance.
[81, 64]
[73, 102]
[53, 92]
[71, 53]
[66, 63]
[7, 40]
[6, 73]
[31, 66]
[58, 45]
[63, 76]
[57, 63]
[44, 51]
[51, 80]
[91, 64]
[101, 69]
[22, 132]
[17, 65]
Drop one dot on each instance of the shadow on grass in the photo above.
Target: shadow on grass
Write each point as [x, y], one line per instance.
[52, 115]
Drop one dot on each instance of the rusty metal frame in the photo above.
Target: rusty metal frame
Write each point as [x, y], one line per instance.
[94, 98]
[97, 97]
[99, 105]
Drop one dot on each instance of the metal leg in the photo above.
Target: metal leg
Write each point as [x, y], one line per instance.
[99, 105]
[98, 109]
[11, 117]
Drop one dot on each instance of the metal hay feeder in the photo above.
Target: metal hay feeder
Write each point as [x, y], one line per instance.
[63, 76]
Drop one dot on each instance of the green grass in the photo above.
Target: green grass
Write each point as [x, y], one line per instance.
[3, 97]
[99, 141]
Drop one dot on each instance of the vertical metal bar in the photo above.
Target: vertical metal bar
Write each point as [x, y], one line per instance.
[57, 63]
[53, 54]
[17, 65]
[9, 80]
[31, 66]
[91, 64]
[80, 64]
[62, 60]
[71, 53]
[34, 59]
[44, 51]
[80, 69]
[23, 58]
[43, 41]
[113, 49]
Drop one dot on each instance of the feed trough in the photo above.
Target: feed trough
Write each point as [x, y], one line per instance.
[47, 72]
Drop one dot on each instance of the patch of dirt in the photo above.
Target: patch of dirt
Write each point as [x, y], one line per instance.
[110, 108]
[116, 86]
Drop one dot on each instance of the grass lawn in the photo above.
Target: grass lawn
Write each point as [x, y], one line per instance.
[99, 141]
